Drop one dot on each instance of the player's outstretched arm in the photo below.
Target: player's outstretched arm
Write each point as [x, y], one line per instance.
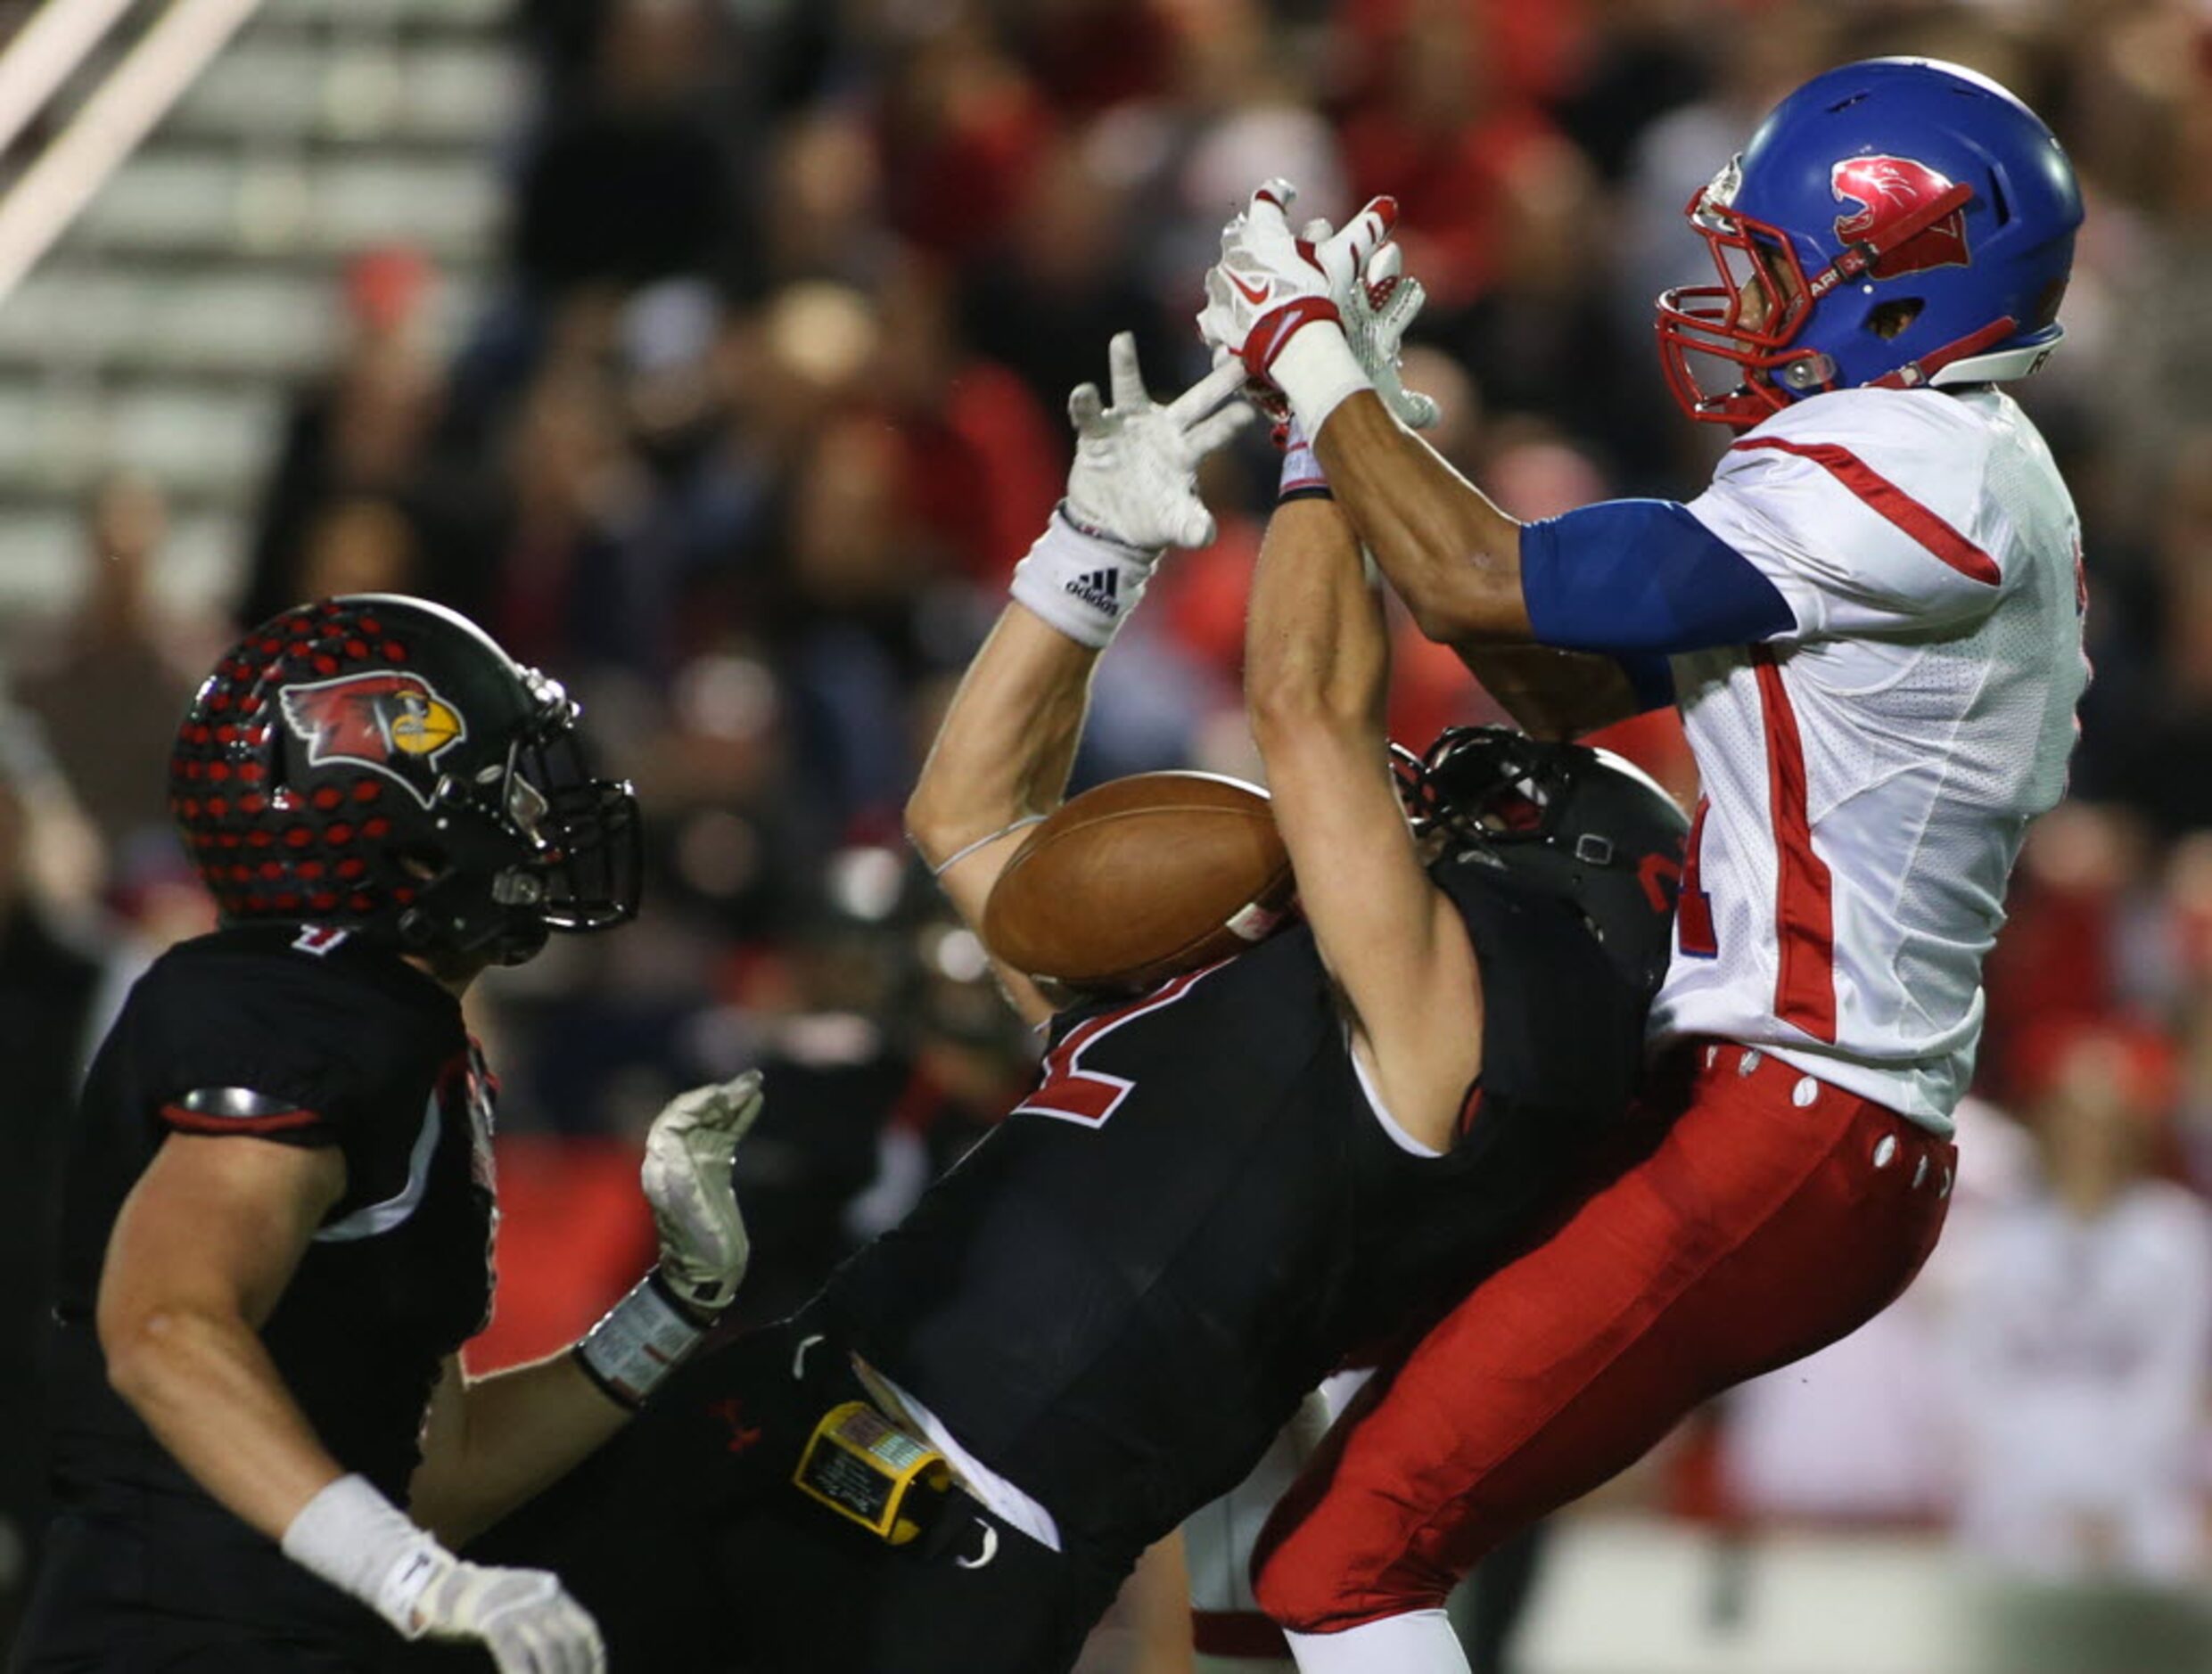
[1410, 508]
[999, 764]
[493, 1442]
[203, 1249]
[1633, 579]
[1451, 554]
[1317, 661]
[1003, 750]
[1552, 694]
[1290, 308]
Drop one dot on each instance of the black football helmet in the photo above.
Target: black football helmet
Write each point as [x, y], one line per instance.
[1583, 821]
[379, 764]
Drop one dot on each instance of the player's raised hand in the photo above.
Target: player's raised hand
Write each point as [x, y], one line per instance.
[524, 1617]
[1135, 479]
[1270, 283]
[686, 1175]
[1378, 308]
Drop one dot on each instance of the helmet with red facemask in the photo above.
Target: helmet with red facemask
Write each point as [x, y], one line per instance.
[378, 764]
[1908, 223]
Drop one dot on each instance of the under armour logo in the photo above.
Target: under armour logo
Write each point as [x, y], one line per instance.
[741, 1435]
[1100, 589]
[984, 1552]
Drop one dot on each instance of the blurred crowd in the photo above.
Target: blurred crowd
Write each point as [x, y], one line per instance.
[768, 403]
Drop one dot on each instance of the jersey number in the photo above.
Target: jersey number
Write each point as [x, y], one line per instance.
[1805, 924]
[1068, 1092]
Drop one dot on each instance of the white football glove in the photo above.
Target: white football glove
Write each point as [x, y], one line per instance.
[1135, 476]
[359, 1542]
[686, 1175]
[523, 1617]
[1132, 493]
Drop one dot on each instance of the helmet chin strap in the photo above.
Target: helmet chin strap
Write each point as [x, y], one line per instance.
[1963, 362]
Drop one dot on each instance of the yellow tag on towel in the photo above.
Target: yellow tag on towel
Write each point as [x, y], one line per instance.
[864, 1468]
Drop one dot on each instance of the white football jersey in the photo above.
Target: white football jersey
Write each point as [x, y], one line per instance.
[1869, 773]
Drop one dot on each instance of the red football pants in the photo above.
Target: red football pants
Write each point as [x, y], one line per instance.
[1765, 1216]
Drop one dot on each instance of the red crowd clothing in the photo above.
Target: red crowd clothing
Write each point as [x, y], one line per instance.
[1767, 1215]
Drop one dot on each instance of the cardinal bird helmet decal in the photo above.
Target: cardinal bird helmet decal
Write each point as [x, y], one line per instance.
[379, 765]
[396, 724]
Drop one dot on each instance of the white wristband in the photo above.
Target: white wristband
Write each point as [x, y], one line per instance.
[637, 1342]
[363, 1545]
[1317, 370]
[1083, 585]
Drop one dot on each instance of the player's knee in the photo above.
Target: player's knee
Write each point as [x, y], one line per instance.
[1308, 1582]
[1300, 1570]
[1293, 1594]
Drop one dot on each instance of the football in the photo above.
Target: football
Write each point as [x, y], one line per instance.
[1141, 878]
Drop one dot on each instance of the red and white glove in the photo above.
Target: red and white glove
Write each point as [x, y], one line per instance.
[1381, 305]
[1275, 300]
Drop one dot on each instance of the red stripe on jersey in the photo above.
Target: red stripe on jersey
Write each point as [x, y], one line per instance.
[198, 1121]
[1891, 502]
[1237, 1633]
[1805, 923]
[1693, 903]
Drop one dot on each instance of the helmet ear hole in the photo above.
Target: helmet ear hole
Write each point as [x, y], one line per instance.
[1892, 318]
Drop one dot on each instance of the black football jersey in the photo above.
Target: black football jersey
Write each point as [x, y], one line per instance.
[346, 1046]
[1118, 1297]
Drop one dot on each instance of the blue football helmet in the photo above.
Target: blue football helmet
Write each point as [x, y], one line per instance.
[1908, 222]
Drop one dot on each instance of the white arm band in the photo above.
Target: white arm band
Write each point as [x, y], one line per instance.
[1302, 466]
[1317, 371]
[363, 1545]
[1083, 585]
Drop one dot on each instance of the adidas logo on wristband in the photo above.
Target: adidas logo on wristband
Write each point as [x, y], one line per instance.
[1100, 589]
[1082, 584]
